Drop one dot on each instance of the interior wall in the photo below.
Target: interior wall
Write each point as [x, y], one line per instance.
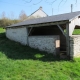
[50, 44]
[47, 30]
[50, 30]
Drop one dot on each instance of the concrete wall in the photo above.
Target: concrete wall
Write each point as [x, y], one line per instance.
[50, 44]
[17, 34]
[74, 22]
[75, 46]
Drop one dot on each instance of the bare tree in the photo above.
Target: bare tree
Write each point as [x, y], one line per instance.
[47, 1]
[6, 21]
[12, 15]
[31, 17]
[22, 16]
[3, 15]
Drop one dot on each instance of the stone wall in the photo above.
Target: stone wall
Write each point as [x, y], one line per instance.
[17, 34]
[75, 46]
[50, 44]
[72, 24]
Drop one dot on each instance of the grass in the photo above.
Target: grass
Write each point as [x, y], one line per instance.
[76, 32]
[2, 30]
[18, 62]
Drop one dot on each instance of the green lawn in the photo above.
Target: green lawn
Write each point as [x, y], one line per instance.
[2, 30]
[76, 32]
[18, 62]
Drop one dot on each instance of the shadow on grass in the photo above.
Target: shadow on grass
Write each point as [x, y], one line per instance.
[16, 51]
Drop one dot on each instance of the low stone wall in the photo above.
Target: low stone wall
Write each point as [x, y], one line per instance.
[75, 46]
[50, 44]
[17, 34]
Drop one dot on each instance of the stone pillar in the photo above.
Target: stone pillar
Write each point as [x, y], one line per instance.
[67, 40]
[75, 46]
[71, 47]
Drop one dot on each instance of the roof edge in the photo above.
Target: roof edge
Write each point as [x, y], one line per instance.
[74, 17]
[42, 24]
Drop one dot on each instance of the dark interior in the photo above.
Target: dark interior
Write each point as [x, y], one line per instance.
[49, 30]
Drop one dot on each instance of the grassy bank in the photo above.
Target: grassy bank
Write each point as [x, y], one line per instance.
[2, 30]
[76, 32]
[18, 62]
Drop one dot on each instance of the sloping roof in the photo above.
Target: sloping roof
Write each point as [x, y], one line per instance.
[55, 18]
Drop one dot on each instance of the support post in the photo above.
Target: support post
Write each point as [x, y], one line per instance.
[67, 40]
[30, 31]
[61, 30]
[27, 36]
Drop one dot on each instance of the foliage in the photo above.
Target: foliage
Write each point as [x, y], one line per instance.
[30, 17]
[2, 30]
[18, 62]
[6, 22]
[22, 16]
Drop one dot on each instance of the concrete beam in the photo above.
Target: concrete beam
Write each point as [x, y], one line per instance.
[61, 30]
[48, 24]
[30, 31]
[67, 40]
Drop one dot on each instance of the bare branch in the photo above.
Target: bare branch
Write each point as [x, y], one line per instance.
[60, 3]
[38, 2]
[76, 2]
[27, 1]
[51, 2]
[22, 16]
[54, 1]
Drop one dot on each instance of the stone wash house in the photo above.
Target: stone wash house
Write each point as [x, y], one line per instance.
[52, 34]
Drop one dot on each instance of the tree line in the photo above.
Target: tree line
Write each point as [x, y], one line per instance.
[6, 21]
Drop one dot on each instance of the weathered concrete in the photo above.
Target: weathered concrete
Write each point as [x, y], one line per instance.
[17, 34]
[75, 46]
[50, 44]
[75, 21]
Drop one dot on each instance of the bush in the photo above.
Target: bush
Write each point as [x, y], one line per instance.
[6, 22]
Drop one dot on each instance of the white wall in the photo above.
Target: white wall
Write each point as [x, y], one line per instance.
[17, 34]
[39, 13]
[50, 44]
[72, 25]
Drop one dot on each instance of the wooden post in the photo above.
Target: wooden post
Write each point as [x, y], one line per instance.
[67, 40]
[27, 36]
[28, 32]
[61, 30]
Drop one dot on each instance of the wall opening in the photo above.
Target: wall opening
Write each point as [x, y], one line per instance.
[50, 31]
[76, 30]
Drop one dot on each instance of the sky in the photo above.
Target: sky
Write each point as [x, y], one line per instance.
[12, 8]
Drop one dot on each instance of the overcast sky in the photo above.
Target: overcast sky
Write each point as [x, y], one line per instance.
[14, 7]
